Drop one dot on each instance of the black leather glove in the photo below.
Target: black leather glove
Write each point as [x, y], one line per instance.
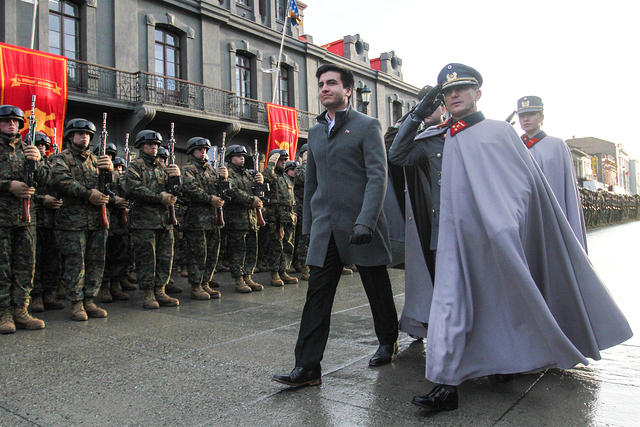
[360, 235]
[429, 104]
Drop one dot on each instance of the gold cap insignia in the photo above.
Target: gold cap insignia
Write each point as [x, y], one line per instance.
[452, 76]
[524, 103]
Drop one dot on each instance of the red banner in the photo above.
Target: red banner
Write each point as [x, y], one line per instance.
[25, 72]
[283, 129]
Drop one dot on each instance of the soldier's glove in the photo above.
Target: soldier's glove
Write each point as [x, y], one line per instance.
[360, 235]
[428, 105]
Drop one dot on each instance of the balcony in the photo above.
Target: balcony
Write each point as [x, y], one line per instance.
[106, 83]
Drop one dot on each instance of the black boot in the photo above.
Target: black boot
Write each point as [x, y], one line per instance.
[384, 355]
[441, 398]
[300, 377]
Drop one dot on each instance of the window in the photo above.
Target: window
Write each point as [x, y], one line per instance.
[359, 103]
[64, 29]
[243, 2]
[397, 111]
[166, 57]
[283, 88]
[281, 9]
[243, 76]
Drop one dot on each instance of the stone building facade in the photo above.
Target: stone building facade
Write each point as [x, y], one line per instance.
[206, 65]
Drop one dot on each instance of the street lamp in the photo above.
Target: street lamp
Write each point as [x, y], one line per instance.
[365, 92]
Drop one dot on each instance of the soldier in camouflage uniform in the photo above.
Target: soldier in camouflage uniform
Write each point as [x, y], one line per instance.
[146, 185]
[117, 259]
[179, 245]
[301, 242]
[200, 226]
[17, 236]
[241, 221]
[80, 233]
[280, 218]
[48, 259]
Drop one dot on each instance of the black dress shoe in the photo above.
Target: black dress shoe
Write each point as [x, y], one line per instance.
[441, 398]
[384, 355]
[300, 377]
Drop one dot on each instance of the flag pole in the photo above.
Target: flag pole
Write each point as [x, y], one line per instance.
[276, 83]
[33, 22]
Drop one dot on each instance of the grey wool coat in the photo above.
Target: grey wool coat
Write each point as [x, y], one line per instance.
[345, 184]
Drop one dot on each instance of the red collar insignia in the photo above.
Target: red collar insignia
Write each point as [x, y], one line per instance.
[458, 126]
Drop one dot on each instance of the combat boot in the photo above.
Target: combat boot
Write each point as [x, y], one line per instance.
[346, 271]
[255, 287]
[198, 293]
[241, 286]
[289, 280]
[299, 266]
[6, 322]
[105, 294]
[37, 304]
[50, 302]
[352, 267]
[77, 312]
[275, 279]
[132, 277]
[150, 302]
[93, 310]
[127, 285]
[304, 274]
[212, 293]
[116, 291]
[24, 320]
[172, 289]
[164, 299]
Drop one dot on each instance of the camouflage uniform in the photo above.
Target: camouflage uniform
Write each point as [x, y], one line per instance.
[200, 228]
[302, 242]
[118, 256]
[280, 218]
[79, 233]
[149, 223]
[241, 223]
[17, 237]
[48, 259]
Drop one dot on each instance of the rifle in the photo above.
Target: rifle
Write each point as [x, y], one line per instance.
[30, 166]
[222, 186]
[510, 118]
[174, 181]
[54, 148]
[123, 219]
[259, 190]
[104, 177]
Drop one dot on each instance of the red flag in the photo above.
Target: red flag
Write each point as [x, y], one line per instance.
[283, 129]
[25, 72]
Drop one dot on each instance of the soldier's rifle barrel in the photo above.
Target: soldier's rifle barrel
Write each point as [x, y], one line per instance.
[30, 165]
[256, 159]
[123, 218]
[173, 183]
[104, 177]
[221, 186]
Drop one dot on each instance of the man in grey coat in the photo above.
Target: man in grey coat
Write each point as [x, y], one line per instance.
[343, 196]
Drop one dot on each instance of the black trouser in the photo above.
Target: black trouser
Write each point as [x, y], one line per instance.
[316, 315]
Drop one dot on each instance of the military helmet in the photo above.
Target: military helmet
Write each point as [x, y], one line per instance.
[79, 125]
[110, 150]
[302, 149]
[197, 142]
[41, 138]
[147, 135]
[12, 112]
[284, 154]
[235, 150]
[119, 161]
[290, 165]
[163, 152]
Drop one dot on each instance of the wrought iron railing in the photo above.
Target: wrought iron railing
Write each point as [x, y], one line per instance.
[142, 87]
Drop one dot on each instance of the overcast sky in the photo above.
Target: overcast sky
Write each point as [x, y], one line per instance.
[581, 57]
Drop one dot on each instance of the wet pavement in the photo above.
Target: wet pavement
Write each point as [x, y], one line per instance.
[210, 363]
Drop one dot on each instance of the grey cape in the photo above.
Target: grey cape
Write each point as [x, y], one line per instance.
[345, 184]
[514, 291]
[554, 158]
